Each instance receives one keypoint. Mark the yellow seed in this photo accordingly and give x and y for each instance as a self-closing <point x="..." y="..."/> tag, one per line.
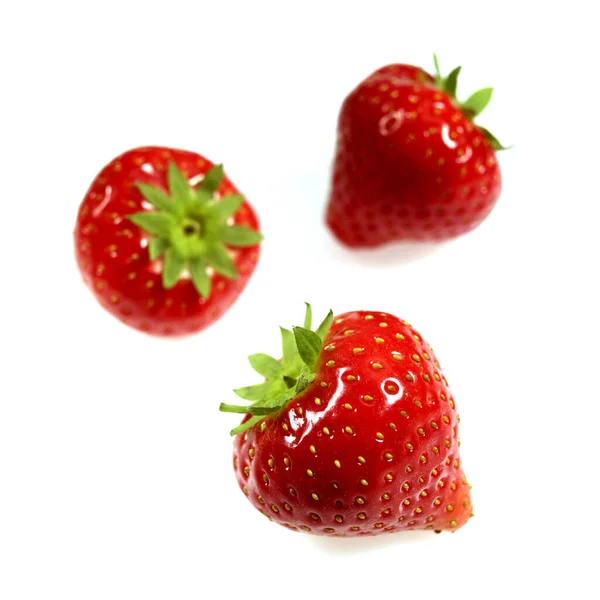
<point x="379" y="435"/>
<point x="330" y="363"/>
<point x="251" y="452"/>
<point x="312" y="449"/>
<point x="396" y="356"/>
<point x="271" y="462"/>
<point x="351" y="378"/>
<point x="348" y="331"/>
<point x="392" y="426"/>
<point x="364" y="482"/>
<point x="379" y="340"/>
<point x="437" y="501"/>
<point x="406" y="501"/>
<point x="389" y="477"/>
<point x="361" y="515"/>
<point x="403" y="413"/>
<point x="247" y="470"/>
<point x="384" y="325"/>
<point x="423" y="458"/>
<point x="310" y="472"/>
<point x="358" y="350"/>
<point x="287" y="506"/>
<point x="453" y="523"/>
<point x="337" y="463"/>
<point x="292" y="492"/>
<point x="367" y="398"/>
<point x="348" y="406"/>
<point x="405" y="486"/>
<point x="424" y="493"/>
<point x="409" y="446"/>
<point x="388" y="456"/>
<point x="361" y="460"/>
<point x="426" y="377"/>
<point x="421" y="431"/>
<point x="418" y="510"/>
<point x="286" y="461"/>
<point x="323" y="384"/>
<point x="369" y="317"/>
<point x="348" y="430"/>
<point x="339" y="518"/>
<point x="265" y="478"/>
<point x="392" y="388"/>
<point x="326" y="430"/>
<point x="318" y="401"/>
<point x="445" y="419"/>
<point x="330" y="348"/>
<point x="360" y="500"/>
<point x="315" y="496"/>
<point x="408" y="469"/>
<point x="376" y="366"/>
<point x="399" y="336"/>
<point x="418" y="403"/>
<point x="416" y="358"/>
<point x="285" y="427"/>
<point x="261" y="500"/>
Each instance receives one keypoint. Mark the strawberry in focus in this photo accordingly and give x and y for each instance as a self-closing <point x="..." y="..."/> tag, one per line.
<point x="354" y="431"/>
<point x="165" y="241"/>
<point x="410" y="163"/>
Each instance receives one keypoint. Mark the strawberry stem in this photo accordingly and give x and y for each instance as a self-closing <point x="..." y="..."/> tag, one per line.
<point x="286" y="378"/>
<point x="191" y="229"/>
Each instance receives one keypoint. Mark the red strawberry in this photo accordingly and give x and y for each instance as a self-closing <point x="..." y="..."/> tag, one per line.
<point x="410" y="163"/>
<point x="165" y="241"/>
<point x="354" y="431"/>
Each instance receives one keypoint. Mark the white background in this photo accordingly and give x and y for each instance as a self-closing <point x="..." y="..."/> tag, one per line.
<point x="115" y="464"/>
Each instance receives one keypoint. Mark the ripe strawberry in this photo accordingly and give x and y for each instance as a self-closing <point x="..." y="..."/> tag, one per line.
<point x="410" y="163"/>
<point x="354" y="431"/>
<point x="165" y="241"/>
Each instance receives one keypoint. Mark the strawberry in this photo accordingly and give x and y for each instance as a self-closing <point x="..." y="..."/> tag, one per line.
<point x="354" y="431"/>
<point x="410" y="163"/>
<point x="165" y="241"/>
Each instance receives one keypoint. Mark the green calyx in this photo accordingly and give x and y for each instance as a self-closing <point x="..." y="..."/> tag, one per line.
<point x="473" y="106"/>
<point x="285" y="378"/>
<point x="190" y="228"/>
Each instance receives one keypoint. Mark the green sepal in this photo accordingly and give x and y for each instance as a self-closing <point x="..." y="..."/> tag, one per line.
<point x="233" y="408"/>
<point x="200" y="277"/>
<point x="212" y="180"/>
<point x="191" y="227"/>
<point x="218" y="258"/>
<point x="173" y="267"/>
<point x="451" y="82"/>
<point x="253" y="392"/>
<point x="156" y="197"/>
<point x="156" y="223"/>
<point x="265" y="365"/>
<point x="287" y="378"/>
<point x="245" y="426"/>
<point x="493" y="140"/>
<point x="178" y="184"/>
<point x="308" y="316"/>
<point x="309" y="345"/>
<point x="156" y="247"/>
<point x="323" y="328"/>
<point x="239" y="236"/>
<point x="477" y="102"/>
<point x="225" y="208"/>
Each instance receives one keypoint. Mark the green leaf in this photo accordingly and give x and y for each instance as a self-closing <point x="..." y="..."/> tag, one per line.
<point x="254" y="392"/>
<point x="155" y="223"/>
<point x="156" y="247"/>
<point x="475" y="104"/>
<point x="451" y="82"/>
<point x="156" y="197"/>
<point x="218" y="258"/>
<point x="436" y="64"/>
<point x="308" y="316"/>
<point x="200" y="277"/>
<point x="240" y="236"/>
<point x="265" y="365"/>
<point x="269" y="405"/>
<point x="172" y="268"/>
<point x="225" y="207"/>
<point x="178" y="185"/>
<point x="304" y="381"/>
<point x="212" y="179"/>
<point x="292" y="363"/>
<point x="493" y="140"/>
<point x="256" y="409"/>
<point x="233" y="408"/>
<point x="309" y="345"/>
<point x="323" y="328"/>
<point x="247" y="425"/>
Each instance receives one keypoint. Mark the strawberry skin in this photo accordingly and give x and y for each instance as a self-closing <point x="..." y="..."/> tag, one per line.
<point x="370" y="446"/>
<point x="410" y="163"/>
<point x="121" y="261"/>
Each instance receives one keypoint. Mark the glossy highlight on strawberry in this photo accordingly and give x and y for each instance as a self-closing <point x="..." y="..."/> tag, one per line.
<point x="410" y="162"/>
<point x="165" y="241"/>
<point x="367" y="444"/>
